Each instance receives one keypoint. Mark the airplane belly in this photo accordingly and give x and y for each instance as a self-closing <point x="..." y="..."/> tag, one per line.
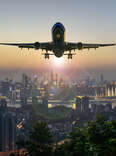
<point x="58" y="53"/>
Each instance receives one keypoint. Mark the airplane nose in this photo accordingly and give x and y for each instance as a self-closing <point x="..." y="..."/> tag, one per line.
<point x="58" y="24"/>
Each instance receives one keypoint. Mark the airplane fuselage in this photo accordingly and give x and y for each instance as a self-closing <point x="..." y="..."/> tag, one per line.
<point x="58" y="38"/>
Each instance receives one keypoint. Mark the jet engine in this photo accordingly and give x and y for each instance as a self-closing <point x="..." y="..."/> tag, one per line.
<point x="37" y="45"/>
<point x="79" y="46"/>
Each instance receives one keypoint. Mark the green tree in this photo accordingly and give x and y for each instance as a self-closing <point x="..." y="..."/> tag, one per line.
<point x="101" y="135"/>
<point x="40" y="141"/>
<point x="98" y="138"/>
<point x="62" y="149"/>
<point x="74" y="146"/>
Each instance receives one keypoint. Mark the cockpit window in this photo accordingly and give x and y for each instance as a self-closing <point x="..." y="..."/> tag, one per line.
<point x="58" y="25"/>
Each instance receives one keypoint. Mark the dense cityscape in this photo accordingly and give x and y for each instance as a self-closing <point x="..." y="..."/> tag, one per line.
<point x="57" y="78"/>
<point x="51" y="99"/>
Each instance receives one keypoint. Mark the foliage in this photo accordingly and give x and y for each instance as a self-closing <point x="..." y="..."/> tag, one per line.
<point x="97" y="138"/>
<point x="101" y="135"/>
<point x="40" y="140"/>
<point x="74" y="146"/>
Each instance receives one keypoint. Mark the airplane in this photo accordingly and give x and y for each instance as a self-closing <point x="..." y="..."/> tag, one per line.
<point x="58" y="46"/>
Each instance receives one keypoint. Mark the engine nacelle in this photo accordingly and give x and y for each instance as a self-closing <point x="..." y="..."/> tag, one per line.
<point x="37" y="45"/>
<point x="79" y="46"/>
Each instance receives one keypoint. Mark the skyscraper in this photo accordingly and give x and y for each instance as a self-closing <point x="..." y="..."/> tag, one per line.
<point x="5" y="86"/>
<point x="101" y="79"/>
<point x="7" y="129"/>
<point x="85" y="104"/>
<point x="78" y="104"/>
<point x="25" y="80"/>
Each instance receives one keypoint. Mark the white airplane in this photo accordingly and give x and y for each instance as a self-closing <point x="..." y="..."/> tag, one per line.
<point x="58" y="45"/>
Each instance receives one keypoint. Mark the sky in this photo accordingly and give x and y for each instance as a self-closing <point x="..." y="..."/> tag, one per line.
<point x="86" y="21"/>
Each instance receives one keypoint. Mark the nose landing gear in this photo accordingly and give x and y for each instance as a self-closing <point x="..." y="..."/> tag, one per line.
<point x="69" y="56"/>
<point x="46" y="56"/>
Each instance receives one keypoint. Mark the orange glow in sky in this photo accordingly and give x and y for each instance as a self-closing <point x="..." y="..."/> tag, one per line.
<point x="87" y="22"/>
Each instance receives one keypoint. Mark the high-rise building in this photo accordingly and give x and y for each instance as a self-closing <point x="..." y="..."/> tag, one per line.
<point x="78" y="104"/>
<point x="82" y="104"/>
<point x="7" y="129"/>
<point x="101" y="79"/>
<point x="4" y="87"/>
<point x="108" y="107"/>
<point x="24" y="80"/>
<point x="93" y="108"/>
<point x="3" y="103"/>
<point x="85" y="104"/>
<point x="25" y="90"/>
<point x="23" y="96"/>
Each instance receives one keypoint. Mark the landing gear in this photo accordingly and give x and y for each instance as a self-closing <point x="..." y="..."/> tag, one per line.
<point x="69" y="56"/>
<point x="46" y="56"/>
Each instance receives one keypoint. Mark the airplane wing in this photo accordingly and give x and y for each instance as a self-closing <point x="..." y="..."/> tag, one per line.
<point x="44" y="46"/>
<point x="87" y="46"/>
<point x="80" y="46"/>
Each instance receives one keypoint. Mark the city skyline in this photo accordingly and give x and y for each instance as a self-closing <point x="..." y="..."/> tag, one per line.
<point x="30" y="21"/>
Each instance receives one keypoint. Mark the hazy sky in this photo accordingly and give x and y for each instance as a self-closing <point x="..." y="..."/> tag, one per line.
<point x="85" y="20"/>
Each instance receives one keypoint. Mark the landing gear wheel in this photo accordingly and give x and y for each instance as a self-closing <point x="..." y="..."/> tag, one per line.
<point x="46" y="56"/>
<point x="69" y="56"/>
